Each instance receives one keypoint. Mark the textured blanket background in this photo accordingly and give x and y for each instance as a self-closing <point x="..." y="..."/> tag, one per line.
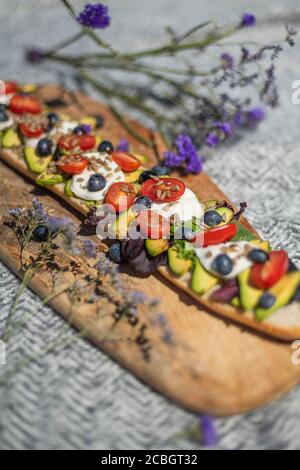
<point x="77" y="397"/>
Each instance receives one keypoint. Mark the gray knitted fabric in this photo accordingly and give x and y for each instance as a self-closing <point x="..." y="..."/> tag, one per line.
<point x="76" y="397"/>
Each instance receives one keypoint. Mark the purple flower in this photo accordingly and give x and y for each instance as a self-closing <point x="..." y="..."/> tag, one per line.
<point x="123" y="145"/>
<point x="208" y="431"/>
<point x="15" y="211"/>
<point x="106" y="267"/>
<point x="256" y="114"/>
<point x="34" y="56"/>
<point x="227" y="60"/>
<point x="239" y="119"/>
<point x="173" y="160"/>
<point x="224" y="127"/>
<point x="248" y="19"/>
<point x="87" y="128"/>
<point x="89" y="248"/>
<point x="38" y="211"/>
<point x="64" y="226"/>
<point x="212" y="139"/>
<point x="94" y="16"/>
<point x="186" y="156"/>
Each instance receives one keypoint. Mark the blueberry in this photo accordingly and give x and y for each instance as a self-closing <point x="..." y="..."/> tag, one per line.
<point x="115" y="252"/>
<point x="146" y="175"/>
<point x="3" y="116"/>
<point x="106" y="146"/>
<point x="52" y="119"/>
<point x="212" y="218"/>
<point x="292" y="267"/>
<point x="144" y="201"/>
<point x="44" y="147"/>
<point x="267" y="300"/>
<point x="222" y="264"/>
<point x="161" y="170"/>
<point x="96" y="182"/>
<point x="258" y="256"/>
<point x="184" y="233"/>
<point x="99" y="121"/>
<point x="296" y="297"/>
<point x="80" y="130"/>
<point x="3" y="107"/>
<point x="41" y="233"/>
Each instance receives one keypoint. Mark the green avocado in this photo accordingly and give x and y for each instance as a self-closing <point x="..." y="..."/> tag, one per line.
<point x="283" y="291"/>
<point x="119" y="227"/>
<point x="156" y="247"/>
<point x="68" y="190"/>
<point x="178" y="266"/>
<point x="226" y="213"/>
<point x="35" y="163"/>
<point x="249" y="296"/>
<point x="10" y="139"/>
<point x="202" y="280"/>
<point x="235" y="302"/>
<point x="49" y="179"/>
<point x="133" y="176"/>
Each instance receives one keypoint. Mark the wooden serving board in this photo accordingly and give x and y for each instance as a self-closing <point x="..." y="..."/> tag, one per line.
<point x="213" y="365"/>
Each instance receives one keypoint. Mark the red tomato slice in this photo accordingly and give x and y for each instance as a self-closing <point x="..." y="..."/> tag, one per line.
<point x="163" y="189"/>
<point x="10" y="87"/>
<point x="267" y="274"/>
<point x="73" y="164"/>
<point x="70" y="141"/>
<point x="121" y="196"/>
<point x="216" y="235"/>
<point x="30" y="130"/>
<point x="153" y="225"/>
<point x="125" y="161"/>
<point x="21" y="104"/>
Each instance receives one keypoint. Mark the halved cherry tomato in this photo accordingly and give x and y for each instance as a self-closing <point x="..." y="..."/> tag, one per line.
<point x="163" y="189"/>
<point x="217" y="235"/>
<point x="267" y="274"/>
<point x="21" y="104"/>
<point x="121" y="196"/>
<point x="10" y="87"/>
<point x="72" y="164"/>
<point x="70" y="141"/>
<point x="125" y="161"/>
<point x="153" y="225"/>
<point x="30" y="130"/>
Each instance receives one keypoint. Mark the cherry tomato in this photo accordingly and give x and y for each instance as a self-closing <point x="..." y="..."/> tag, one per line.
<point x="216" y="235"/>
<point x="163" y="189"/>
<point x="153" y="225"/>
<point x="70" y="141"/>
<point x="30" y="130"/>
<point x="126" y="161"/>
<point x="73" y="164"/>
<point x="121" y="196"/>
<point x="21" y="104"/>
<point x="10" y="87"/>
<point x="265" y="275"/>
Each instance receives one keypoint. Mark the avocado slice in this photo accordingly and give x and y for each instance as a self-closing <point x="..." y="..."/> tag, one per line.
<point x="156" y="247"/>
<point x="11" y="139"/>
<point x="202" y="280"/>
<point x="236" y="302"/>
<point x="119" y="227"/>
<point x="35" y="163"/>
<point x="262" y="244"/>
<point x="178" y="266"/>
<point x="68" y="190"/>
<point x="249" y="295"/>
<point x="133" y="176"/>
<point x="226" y="213"/>
<point x="49" y="179"/>
<point x="284" y="291"/>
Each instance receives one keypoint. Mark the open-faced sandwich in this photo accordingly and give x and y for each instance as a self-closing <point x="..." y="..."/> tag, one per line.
<point x="152" y="221"/>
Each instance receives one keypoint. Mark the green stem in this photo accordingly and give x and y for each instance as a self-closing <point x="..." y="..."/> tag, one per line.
<point x="66" y="43"/>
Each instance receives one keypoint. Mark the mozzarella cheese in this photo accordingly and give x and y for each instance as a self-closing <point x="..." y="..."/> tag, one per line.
<point x="186" y="207"/>
<point x="33" y="141"/>
<point x="5" y="99"/>
<point x="64" y="127"/>
<point x="6" y="124"/>
<point x="237" y="251"/>
<point x="105" y="167"/>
